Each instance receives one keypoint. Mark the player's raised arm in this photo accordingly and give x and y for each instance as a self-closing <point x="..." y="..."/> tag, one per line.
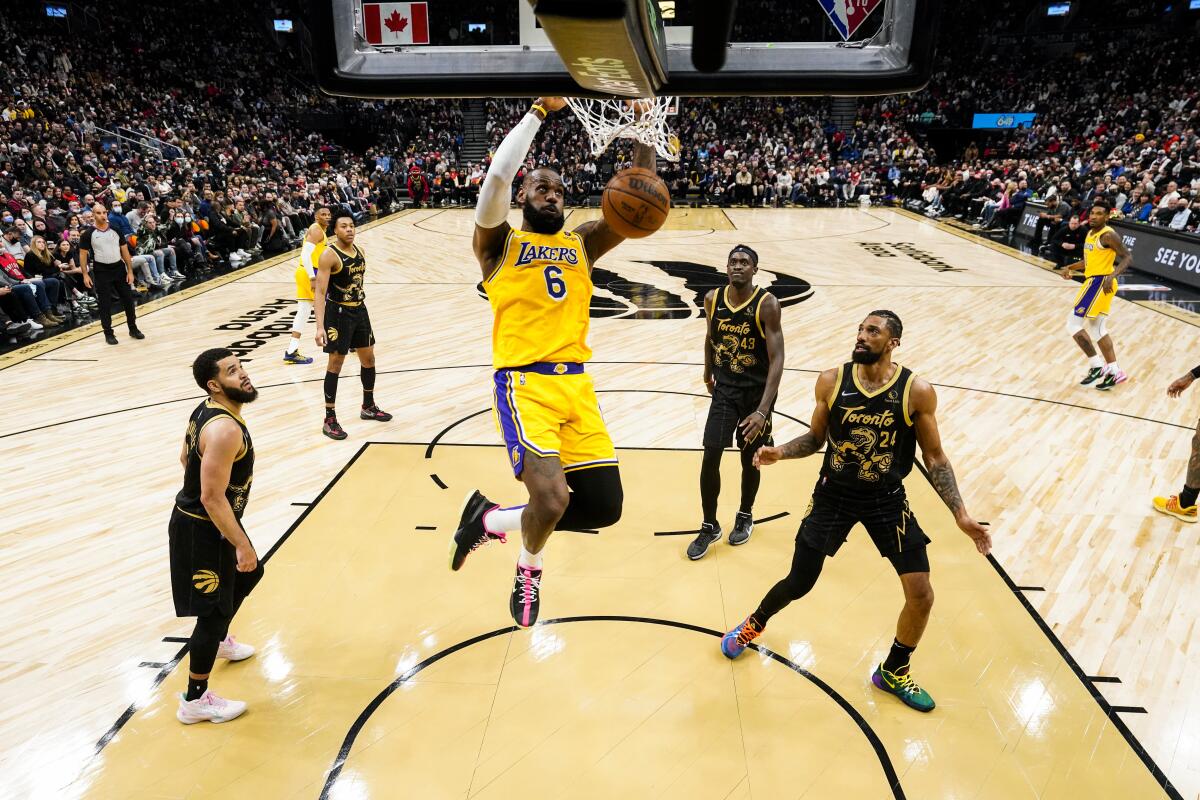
<point x="598" y="236"/>
<point x="495" y="195"/>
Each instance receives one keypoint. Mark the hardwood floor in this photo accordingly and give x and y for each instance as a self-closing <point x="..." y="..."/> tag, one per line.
<point x="356" y="596"/>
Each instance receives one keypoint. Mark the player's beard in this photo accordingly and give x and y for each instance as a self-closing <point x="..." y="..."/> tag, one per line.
<point x="544" y="221"/>
<point x="865" y="356"/>
<point x="239" y="395"/>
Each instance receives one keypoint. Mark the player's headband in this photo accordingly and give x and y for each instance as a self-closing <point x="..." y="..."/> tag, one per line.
<point x="748" y="251"/>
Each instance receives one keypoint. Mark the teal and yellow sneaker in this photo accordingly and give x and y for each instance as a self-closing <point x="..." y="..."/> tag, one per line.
<point x="904" y="687"/>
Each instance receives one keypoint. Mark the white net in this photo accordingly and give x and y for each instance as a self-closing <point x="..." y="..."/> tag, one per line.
<point x="606" y="120"/>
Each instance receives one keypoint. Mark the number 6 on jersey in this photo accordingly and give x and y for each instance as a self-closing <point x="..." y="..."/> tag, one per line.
<point x="555" y="286"/>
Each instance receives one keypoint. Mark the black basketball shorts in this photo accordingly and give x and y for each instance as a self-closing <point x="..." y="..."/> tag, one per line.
<point x="889" y="522"/>
<point x="347" y="328"/>
<point x="730" y="405"/>
<point x="204" y="574"/>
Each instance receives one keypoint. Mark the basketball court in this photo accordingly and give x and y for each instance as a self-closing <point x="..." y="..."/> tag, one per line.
<point x="1062" y="664"/>
<point x="381" y="673"/>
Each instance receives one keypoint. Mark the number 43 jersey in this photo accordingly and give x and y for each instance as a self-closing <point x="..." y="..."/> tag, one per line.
<point x="871" y="438"/>
<point x="541" y="295"/>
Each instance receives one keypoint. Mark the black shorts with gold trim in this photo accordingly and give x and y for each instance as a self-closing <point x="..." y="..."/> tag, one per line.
<point x="889" y="522"/>
<point x="204" y="576"/>
<point x="730" y="405"/>
<point x="347" y="327"/>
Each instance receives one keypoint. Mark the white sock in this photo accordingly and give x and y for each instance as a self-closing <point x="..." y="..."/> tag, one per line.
<point x="503" y="520"/>
<point x="528" y="559"/>
<point x="293" y="344"/>
<point x="1112" y="368"/>
<point x="1095" y="361"/>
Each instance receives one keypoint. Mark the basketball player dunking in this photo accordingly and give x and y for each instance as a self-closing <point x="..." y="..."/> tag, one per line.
<point x="306" y="283"/>
<point x="873" y="413"/>
<point x="538" y="281"/>
<point x="743" y="362"/>
<point x="1101" y="248"/>
<point x="213" y="564"/>
<point x="342" y="321"/>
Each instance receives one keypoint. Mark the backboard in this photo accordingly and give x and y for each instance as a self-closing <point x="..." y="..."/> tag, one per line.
<point x="498" y="48"/>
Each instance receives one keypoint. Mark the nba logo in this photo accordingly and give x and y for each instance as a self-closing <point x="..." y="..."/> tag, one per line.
<point x="848" y="15"/>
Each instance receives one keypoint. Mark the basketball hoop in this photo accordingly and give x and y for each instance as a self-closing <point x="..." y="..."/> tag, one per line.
<point x="607" y="120"/>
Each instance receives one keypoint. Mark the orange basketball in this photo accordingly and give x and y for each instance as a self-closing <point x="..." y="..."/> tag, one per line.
<point x="635" y="203"/>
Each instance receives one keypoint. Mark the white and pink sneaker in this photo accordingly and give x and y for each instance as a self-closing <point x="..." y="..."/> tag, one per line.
<point x="208" y="707"/>
<point x="234" y="650"/>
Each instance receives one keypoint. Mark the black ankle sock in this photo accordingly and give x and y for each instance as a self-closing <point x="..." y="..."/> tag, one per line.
<point x="898" y="658"/>
<point x="196" y="687"/>
<point x="330" y="415"/>
<point x="1187" y="498"/>
<point x="759" y="618"/>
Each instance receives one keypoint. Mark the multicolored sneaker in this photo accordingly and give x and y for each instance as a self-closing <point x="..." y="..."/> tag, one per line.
<point x="525" y="600"/>
<point x="1092" y="376"/>
<point x="734" y="642"/>
<point x="472" y="534"/>
<point x="904" y="687"/>
<point x="333" y="430"/>
<point x="208" y="707"/>
<point x="233" y="650"/>
<point x="743" y="526"/>
<point x="710" y="533"/>
<point x="1170" y="505"/>
<point x="1111" y="379"/>
<point x="296" y="358"/>
<point x="374" y="412"/>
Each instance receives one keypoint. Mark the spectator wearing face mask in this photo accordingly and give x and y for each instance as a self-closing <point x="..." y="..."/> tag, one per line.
<point x="151" y="242"/>
<point x="118" y="221"/>
<point x="12" y="243"/>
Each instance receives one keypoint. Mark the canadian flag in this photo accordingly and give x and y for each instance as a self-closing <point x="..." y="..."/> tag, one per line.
<point x="396" y="23"/>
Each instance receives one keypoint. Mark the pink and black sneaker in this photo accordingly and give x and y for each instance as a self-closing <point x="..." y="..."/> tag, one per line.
<point x="472" y="534"/>
<point x="526" y="596"/>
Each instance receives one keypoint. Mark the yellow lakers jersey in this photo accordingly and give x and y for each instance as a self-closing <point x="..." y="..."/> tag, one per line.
<point x="541" y="294"/>
<point x="311" y="268"/>
<point x="1097" y="259"/>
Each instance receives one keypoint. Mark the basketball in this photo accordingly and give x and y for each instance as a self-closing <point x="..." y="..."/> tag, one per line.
<point x="635" y="203"/>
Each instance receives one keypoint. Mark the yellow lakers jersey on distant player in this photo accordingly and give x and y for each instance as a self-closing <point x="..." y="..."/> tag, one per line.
<point x="311" y="268"/>
<point x="541" y="294"/>
<point x="1098" y="259"/>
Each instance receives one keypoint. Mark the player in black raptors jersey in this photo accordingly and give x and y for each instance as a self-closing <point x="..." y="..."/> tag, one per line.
<point x="873" y="414"/>
<point x="743" y="362"/>
<point x="213" y="564"/>
<point x="342" y="320"/>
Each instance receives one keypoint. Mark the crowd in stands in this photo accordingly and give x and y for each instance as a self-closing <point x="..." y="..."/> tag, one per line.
<point x="209" y="165"/>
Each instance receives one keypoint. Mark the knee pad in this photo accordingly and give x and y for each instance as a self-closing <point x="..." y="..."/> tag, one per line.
<point x="1074" y="324"/>
<point x="1096" y="327"/>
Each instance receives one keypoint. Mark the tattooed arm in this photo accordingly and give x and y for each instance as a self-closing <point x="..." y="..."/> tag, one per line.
<point x="812" y="439"/>
<point x="922" y="408"/>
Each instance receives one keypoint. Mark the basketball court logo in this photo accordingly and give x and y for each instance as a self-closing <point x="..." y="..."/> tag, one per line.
<point x="622" y="295"/>
<point x="848" y="15"/>
<point x="206" y="581"/>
